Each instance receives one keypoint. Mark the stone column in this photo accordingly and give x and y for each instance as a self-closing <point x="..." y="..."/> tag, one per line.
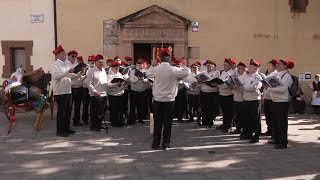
<point x="110" y="38"/>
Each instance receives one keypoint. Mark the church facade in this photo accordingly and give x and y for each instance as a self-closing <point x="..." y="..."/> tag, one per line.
<point x="197" y="30"/>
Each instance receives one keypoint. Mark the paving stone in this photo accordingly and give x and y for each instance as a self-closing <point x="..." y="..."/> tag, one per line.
<point x="125" y="153"/>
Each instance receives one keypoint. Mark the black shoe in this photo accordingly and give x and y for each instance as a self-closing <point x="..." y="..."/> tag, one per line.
<point x="117" y="125"/>
<point x="237" y="131"/>
<point x="62" y="134"/>
<point x="272" y="138"/>
<point x="165" y="147"/>
<point x="280" y="146"/>
<point x="141" y="121"/>
<point x="190" y="120"/>
<point x="77" y="124"/>
<point x="102" y="128"/>
<point x="199" y="121"/>
<point x="180" y="121"/>
<point x="225" y="130"/>
<point x="244" y="137"/>
<point x="95" y="129"/>
<point x="272" y="142"/>
<point x="70" y="131"/>
<point x="203" y="124"/>
<point x="131" y="122"/>
<point x="220" y="127"/>
<point x="254" y="140"/>
<point x="267" y="133"/>
<point x="155" y="147"/>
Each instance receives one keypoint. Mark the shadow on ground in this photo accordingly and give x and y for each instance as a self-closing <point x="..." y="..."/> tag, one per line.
<point x="125" y="153"/>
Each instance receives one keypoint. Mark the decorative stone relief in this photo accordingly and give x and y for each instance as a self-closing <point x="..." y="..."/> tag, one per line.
<point x="261" y="36"/>
<point x="153" y="34"/>
<point x="110" y="32"/>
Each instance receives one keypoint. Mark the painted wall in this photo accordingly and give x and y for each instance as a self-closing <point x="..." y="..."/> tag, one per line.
<point x="15" y="18"/>
<point x="228" y="28"/>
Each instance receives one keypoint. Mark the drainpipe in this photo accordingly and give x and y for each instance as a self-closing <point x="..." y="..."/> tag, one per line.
<point x="55" y="23"/>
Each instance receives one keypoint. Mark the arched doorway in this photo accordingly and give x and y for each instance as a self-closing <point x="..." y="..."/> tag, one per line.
<point x="145" y="32"/>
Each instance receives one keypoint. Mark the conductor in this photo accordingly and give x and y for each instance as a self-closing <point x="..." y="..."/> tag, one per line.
<point x="165" y="89"/>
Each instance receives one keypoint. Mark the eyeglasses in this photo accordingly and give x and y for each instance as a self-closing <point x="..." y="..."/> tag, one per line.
<point x="193" y="67"/>
<point x="74" y="56"/>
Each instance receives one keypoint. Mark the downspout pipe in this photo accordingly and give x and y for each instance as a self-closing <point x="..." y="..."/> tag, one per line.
<point x="55" y="23"/>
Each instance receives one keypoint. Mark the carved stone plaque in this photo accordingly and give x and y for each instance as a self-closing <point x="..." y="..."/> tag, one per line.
<point x="111" y="32"/>
<point x="153" y="33"/>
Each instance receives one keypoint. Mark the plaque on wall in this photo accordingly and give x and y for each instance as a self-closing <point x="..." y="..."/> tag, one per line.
<point x="111" y="32"/>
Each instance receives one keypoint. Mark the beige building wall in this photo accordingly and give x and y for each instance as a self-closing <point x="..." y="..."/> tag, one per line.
<point x="15" y="18"/>
<point x="242" y="30"/>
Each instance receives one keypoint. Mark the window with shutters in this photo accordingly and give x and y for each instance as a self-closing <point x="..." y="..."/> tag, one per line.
<point x="16" y="53"/>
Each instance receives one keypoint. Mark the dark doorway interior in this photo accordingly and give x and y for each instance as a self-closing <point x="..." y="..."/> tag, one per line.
<point x="145" y="50"/>
<point x="142" y="50"/>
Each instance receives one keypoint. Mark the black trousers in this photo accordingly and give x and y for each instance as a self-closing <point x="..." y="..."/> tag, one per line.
<point x="137" y="102"/>
<point x="162" y="114"/>
<point x="125" y="98"/>
<point x="237" y="114"/>
<point x="298" y="106"/>
<point x="148" y="105"/>
<point x="76" y="99"/>
<point x="116" y="110"/>
<point x="267" y="112"/>
<point x="209" y="107"/>
<point x="185" y="102"/>
<point x="97" y="104"/>
<point x="193" y="104"/>
<point x="64" y="112"/>
<point x="252" y="120"/>
<point x="279" y="115"/>
<point x="180" y="103"/>
<point x="85" y="104"/>
<point x="226" y="103"/>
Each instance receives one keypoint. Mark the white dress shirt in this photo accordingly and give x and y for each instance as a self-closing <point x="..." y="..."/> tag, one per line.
<point x="61" y="78"/>
<point x="113" y="88"/>
<point x="148" y="84"/>
<point x="166" y="78"/>
<point x="281" y="94"/>
<point x="266" y="92"/>
<point x="224" y="90"/>
<point x="136" y="84"/>
<point x="96" y="81"/>
<point x="192" y="79"/>
<point x="251" y="86"/>
<point x="212" y="74"/>
<point x="76" y="79"/>
<point x="237" y="92"/>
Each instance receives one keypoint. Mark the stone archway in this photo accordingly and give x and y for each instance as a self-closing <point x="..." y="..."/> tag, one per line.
<point x="150" y="25"/>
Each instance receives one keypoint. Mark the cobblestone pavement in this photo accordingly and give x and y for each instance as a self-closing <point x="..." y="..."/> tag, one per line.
<point x="125" y="153"/>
